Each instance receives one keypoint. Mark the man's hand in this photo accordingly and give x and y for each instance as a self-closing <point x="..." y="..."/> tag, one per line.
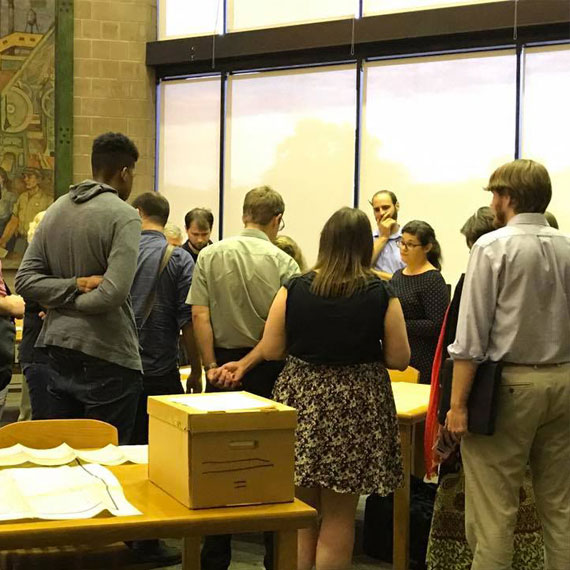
<point x="15" y="305"/>
<point x="87" y="284"/>
<point x="194" y="382"/>
<point x="456" y="422"/>
<point x="386" y="226"/>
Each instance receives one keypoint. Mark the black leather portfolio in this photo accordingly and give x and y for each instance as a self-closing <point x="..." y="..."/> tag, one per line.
<point x="482" y="403"/>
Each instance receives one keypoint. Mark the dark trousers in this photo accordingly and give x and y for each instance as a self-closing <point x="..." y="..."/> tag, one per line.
<point x="83" y="386"/>
<point x="217" y="550"/>
<point x="37" y="375"/>
<point x="153" y="386"/>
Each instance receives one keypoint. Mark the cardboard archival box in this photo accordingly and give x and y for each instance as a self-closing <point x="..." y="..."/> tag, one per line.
<point x="222" y="449"/>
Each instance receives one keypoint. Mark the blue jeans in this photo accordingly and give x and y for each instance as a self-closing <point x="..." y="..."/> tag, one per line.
<point x="37" y="375"/>
<point x="83" y="386"/>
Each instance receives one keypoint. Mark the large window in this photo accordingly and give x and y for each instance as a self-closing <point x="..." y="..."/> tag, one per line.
<point x="546" y="121"/>
<point x="183" y="18"/>
<point x="251" y="14"/>
<point x="372" y="7"/>
<point x="295" y="132"/>
<point x="188" y="156"/>
<point x="433" y="131"/>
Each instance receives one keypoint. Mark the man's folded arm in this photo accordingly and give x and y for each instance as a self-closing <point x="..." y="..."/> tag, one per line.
<point x="118" y="278"/>
<point x="34" y="282"/>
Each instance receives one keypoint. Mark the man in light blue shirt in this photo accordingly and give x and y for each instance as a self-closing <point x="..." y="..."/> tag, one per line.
<point x="515" y="308"/>
<point x="386" y="258"/>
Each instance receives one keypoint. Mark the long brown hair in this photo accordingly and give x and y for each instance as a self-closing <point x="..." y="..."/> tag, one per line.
<point x="345" y="251"/>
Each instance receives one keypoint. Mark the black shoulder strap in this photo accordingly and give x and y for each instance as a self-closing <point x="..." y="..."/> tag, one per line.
<point x="149" y="304"/>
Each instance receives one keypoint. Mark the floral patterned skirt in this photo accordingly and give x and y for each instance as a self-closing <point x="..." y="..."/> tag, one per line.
<point x="347" y="436"/>
<point x="448" y="548"/>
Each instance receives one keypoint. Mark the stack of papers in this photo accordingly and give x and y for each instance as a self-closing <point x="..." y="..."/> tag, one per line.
<point x="61" y="493"/>
<point x="63" y="454"/>
<point x="221" y="402"/>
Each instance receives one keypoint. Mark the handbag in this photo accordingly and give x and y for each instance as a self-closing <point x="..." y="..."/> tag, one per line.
<point x="482" y="402"/>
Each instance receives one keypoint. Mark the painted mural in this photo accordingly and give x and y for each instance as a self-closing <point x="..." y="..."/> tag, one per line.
<point x="27" y="72"/>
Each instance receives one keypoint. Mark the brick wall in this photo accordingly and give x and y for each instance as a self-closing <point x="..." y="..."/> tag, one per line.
<point x="113" y="89"/>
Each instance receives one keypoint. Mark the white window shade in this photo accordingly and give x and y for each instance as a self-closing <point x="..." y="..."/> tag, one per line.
<point x="189" y="142"/>
<point x="253" y="14"/>
<point x="546" y="121"/>
<point x="293" y="131"/>
<point x="375" y="7"/>
<point x="433" y="131"/>
<point x="184" y="18"/>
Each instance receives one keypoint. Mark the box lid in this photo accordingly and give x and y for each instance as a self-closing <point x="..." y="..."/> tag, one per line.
<point x="221" y="411"/>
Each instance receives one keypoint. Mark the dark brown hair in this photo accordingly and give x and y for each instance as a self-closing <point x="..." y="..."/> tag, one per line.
<point x="426" y="235"/>
<point x="345" y="251"/>
<point x="202" y="216"/>
<point x="480" y="223"/>
<point x="153" y="206"/>
<point x="526" y="182"/>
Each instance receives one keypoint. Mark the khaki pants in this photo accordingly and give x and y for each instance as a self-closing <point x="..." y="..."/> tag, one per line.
<point x="533" y="426"/>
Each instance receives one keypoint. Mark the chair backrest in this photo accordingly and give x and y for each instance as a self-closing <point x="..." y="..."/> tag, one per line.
<point x="410" y="375"/>
<point x="43" y="434"/>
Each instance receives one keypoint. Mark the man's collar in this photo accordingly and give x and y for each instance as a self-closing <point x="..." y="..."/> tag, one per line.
<point x="528" y="218"/>
<point x="396" y="235"/>
<point x="153" y="232"/>
<point x="253" y="232"/>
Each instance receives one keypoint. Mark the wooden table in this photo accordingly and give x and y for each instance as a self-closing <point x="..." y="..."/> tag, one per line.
<point x="165" y="517"/>
<point x="411" y="406"/>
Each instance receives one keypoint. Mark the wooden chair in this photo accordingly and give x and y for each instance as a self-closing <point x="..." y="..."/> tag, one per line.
<point x="43" y="434"/>
<point x="79" y="434"/>
<point x="410" y="375"/>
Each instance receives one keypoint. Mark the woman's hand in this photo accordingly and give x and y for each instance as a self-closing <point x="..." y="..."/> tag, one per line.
<point x="228" y="376"/>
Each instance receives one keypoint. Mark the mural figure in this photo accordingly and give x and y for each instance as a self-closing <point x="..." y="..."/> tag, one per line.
<point x="27" y="72"/>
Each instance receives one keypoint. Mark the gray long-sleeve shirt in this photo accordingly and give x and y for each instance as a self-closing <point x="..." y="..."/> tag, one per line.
<point x="515" y="304"/>
<point x="89" y="231"/>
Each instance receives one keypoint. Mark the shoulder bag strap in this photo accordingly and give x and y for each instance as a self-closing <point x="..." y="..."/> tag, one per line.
<point x="149" y="304"/>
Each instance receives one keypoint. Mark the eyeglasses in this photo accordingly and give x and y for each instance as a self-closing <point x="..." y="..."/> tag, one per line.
<point x="407" y="244"/>
<point x="281" y="224"/>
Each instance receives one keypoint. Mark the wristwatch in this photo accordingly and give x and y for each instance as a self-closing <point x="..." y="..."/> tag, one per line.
<point x="210" y="366"/>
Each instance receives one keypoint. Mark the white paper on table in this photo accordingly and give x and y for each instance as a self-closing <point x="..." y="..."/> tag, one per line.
<point x="55" y="493"/>
<point x="221" y="402"/>
<point x="59" y="455"/>
<point x="14" y="455"/>
<point x="135" y="453"/>
<point x="113" y="455"/>
<point x="63" y="454"/>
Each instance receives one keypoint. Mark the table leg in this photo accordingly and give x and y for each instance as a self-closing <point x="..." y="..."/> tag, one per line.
<point x="401" y="547"/>
<point x="191" y="553"/>
<point x="285" y="550"/>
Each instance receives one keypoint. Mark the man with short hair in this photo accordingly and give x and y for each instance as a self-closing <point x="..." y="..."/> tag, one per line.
<point x="198" y="223"/>
<point x="515" y="308"/>
<point x="234" y="283"/>
<point x="386" y="258"/>
<point x="159" y="292"/>
<point x="80" y="266"/>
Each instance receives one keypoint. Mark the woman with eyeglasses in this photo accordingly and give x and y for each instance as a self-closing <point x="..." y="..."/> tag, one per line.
<point x="422" y="292"/>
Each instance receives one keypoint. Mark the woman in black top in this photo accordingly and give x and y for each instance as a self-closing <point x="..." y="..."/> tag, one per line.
<point x="422" y="292"/>
<point x="341" y="327"/>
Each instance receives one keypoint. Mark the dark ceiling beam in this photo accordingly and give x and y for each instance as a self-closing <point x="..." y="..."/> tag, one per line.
<point x="458" y="28"/>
